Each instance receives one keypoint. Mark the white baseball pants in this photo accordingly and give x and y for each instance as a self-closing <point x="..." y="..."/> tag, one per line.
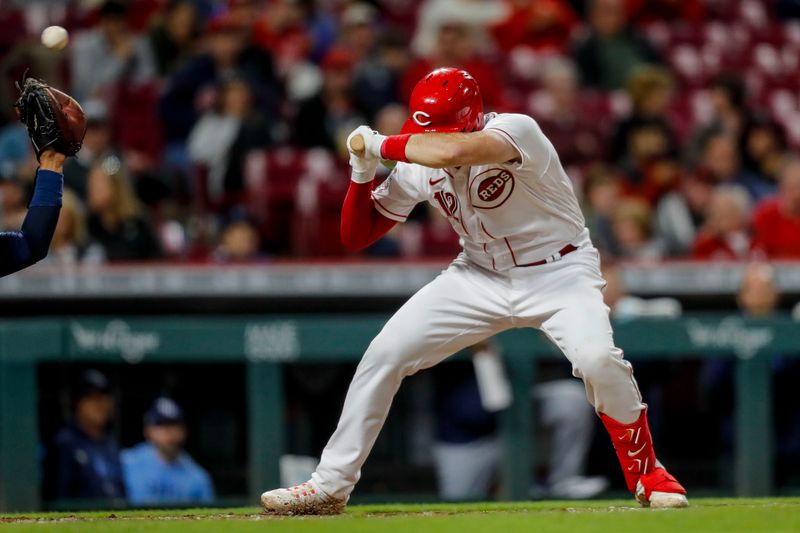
<point x="467" y="304"/>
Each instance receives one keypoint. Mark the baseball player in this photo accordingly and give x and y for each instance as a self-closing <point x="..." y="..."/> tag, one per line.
<point x="527" y="262"/>
<point x="56" y="125"/>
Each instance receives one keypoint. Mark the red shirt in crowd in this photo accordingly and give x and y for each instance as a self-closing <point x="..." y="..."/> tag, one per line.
<point x="711" y="247"/>
<point x="776" y="233"/>
<point x="537" y="24"/>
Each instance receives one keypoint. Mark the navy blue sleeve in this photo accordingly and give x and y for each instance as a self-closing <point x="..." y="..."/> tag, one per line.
<point x="20" y="249"/>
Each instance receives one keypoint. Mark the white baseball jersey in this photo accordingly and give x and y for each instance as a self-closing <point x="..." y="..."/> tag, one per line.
<point x="507" y="215"/>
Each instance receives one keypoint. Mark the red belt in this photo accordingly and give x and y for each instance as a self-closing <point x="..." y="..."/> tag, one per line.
<point x="568" y="249"/>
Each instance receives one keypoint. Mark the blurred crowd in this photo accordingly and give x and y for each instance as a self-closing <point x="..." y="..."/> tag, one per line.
<point x="216" y="128"/>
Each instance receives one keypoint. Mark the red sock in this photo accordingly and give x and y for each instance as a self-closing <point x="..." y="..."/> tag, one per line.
<point x="634" y="447"/>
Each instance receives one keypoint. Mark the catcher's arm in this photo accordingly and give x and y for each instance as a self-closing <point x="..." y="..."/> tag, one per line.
<point x="21" y="249"/>
<point x="56" y="125"/>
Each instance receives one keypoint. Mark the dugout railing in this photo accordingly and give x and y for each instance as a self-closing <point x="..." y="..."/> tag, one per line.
<point x="265" y="343"/>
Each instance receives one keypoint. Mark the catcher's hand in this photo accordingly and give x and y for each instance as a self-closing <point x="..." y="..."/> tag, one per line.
<point x="54" y="119"/>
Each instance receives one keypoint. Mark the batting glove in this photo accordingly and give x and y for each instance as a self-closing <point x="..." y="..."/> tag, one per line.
<point x="365" y="165"/>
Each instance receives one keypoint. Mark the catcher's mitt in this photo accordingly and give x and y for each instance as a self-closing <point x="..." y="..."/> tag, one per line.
<point x="54" y="119"/>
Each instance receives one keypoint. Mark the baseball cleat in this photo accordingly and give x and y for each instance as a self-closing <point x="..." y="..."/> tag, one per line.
<point x="659" y="489"/>
<point x="303" y="499"/>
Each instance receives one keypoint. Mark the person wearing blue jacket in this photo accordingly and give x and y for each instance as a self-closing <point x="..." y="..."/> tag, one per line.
<point x="83" y="461"/>
<point x="158" y="471"/>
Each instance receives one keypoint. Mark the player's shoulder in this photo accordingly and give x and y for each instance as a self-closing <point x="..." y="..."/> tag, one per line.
<point x="137" y="454"/>
<point x="527" y="137"/>
<point x="518" y="120"/>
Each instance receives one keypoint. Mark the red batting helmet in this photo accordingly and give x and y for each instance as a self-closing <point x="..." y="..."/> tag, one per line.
<point x="446" y="100"/>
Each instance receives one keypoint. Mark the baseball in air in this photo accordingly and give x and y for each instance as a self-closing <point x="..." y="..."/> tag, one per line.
<point x="55" y="37"/>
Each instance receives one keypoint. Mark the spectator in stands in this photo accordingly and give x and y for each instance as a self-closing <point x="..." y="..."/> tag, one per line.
<point x="726" y="232"/>
<point x="457" y="43"/>
<point x="579" y="138"/>
<point x="83" y="462"/>
<point x="681" y="212"/>
<point x="111" y="54"/>
<point x="646" y="133"/>
<point x="292" y="30"/>
<point x="240" y="241"/>
<point x="763" y="148"/>
<point x="730" y="113"/>
<point x="776" y="221"/>
<point x="173" y="38"/>
<point x="474" y="17"/>
<point x="359" y="30"/>
<point x="97" y="145"/>
<point x="116" y="220"/>
<point x="326" y="119"/>
<point x="15" y="148"/>
<point x="612" y="49"/>
<point x="159" y="471"/>
<point x="722" y="161"/>
<point x="298" y="35"/>
<point x="758" y="295"/>
<point x="12" y="201"/>
<point x="540" y="25"/>
<point x="643" y="12"/>
<point x="602" y="193"/>
<point x="190" y="89"/>
<point x="71" y="244"/>
<point x="224" y="136"/>
<point x="376" y="82"/>
<point x="759" y="299"/>
<point x="633" y="231"/>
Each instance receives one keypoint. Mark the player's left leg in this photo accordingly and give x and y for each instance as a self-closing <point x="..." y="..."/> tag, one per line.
<point x="462" y="306"/>
<point x="567" y="299"/>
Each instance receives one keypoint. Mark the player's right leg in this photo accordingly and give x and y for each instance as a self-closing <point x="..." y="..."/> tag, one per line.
<point x="462" y="306"/>
<point x="567" y="296"/>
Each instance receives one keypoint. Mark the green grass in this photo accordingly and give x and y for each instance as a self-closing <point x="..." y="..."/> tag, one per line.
<point x="775" y="515"/>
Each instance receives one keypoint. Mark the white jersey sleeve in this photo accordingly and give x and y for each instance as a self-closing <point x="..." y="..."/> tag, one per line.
<point x="396" y="197"/>
<point x="525" y="135"/>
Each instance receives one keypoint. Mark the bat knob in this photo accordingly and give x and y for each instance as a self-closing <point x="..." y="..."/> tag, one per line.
<point x="357" y="145"/>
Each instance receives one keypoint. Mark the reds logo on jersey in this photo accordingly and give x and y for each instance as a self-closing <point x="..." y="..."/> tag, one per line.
<point x="491" y="188"/>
